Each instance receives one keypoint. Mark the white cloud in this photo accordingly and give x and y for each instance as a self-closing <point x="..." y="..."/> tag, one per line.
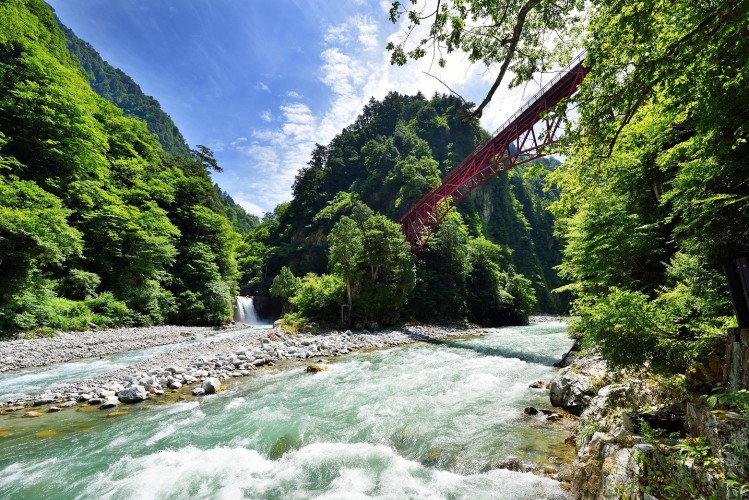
<point x="262" y="86"/>
<point x="293" y="94"/>
<point x="266" y="116"/>
<point x="244" y="200"/>
<point x="356" y="67"/>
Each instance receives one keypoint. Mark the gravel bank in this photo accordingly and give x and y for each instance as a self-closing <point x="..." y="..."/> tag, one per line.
<point x="69" y="346"/>
<point x="204" y="366"/>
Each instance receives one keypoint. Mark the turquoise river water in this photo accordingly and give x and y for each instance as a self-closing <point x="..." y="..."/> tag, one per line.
<point x="424" y="421"/>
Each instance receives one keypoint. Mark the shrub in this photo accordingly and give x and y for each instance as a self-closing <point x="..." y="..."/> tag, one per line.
<point x="109" y="310"/>
<point x="79" y="284"/>
<point x="319" y="298"/>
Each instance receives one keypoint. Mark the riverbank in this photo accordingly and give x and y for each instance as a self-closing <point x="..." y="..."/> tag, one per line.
<point x="203" y="366"/>
<point x="640" y="436"/>
<point x="70" y="346"/>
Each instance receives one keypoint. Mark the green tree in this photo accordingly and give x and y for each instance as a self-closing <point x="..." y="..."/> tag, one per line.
<point x="285" y="286"/>
<point x="346" y="249"/>
<point x="387" y="270"/>
<point x="319" y="297"/>
<point x="34" y="233"/>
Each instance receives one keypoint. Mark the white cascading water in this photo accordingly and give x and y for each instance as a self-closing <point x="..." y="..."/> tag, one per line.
<point x="245" y="311"/>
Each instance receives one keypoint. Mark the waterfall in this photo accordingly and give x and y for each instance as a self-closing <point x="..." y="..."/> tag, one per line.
<point x="245" y="311"/>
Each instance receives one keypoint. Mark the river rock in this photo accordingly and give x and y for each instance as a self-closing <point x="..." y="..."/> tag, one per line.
<point x="43" y="400"/>
<point x="134" y="394"/>
<point x="211" y="385"/>
<point x="110" y="402"/>
<point x="198" y="391"/>
<point x="570" y="390"/>
<point x="316" y="368"/>
<point x="529" y="410"/>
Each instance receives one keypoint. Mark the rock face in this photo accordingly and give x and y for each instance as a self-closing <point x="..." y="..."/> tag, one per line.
<point x="607" y="465"/>
<point x="613" y="458"/>
<point x="727" y="434"/>
<point x="133" y="394"/>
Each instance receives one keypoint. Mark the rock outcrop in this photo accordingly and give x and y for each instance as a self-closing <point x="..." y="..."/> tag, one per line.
<point x="617" y="457"/>
<point x="574" y="386"/>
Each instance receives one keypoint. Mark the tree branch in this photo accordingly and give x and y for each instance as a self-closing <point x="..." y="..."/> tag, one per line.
<point x="516" y="32"/>
<point x="448" y="87"/>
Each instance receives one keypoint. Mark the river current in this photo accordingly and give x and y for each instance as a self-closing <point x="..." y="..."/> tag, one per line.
<point x="423" y="421"/>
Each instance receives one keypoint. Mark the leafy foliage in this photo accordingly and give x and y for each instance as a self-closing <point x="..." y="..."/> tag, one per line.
<point x="652" y="198"/>
<point x="98" y="225"/>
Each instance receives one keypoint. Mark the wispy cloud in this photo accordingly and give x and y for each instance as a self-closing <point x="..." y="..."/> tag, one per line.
<point x="262" y="86"/>
<point x="354" y="68"/>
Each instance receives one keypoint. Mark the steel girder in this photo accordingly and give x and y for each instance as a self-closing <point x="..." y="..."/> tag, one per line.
<point x="524" y="137"/>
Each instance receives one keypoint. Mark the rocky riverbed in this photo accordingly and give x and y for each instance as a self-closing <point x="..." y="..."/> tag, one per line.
<point x="69" y="346"/>
<point x="202" y="367"/>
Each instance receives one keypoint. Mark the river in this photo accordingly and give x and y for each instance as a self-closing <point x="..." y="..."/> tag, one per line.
<point x="419" y="421"/>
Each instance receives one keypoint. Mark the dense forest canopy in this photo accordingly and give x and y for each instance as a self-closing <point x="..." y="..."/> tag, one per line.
<point x="653" y="199"/>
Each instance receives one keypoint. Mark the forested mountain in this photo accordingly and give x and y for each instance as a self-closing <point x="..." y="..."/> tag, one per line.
<point x="653" y="204"/>
<point x="484" y="262"/>
<point x="122" y="91"/>
<point x="97" y="223"/>
<point x="101" y="224"/>
<point x="118" y="88"/>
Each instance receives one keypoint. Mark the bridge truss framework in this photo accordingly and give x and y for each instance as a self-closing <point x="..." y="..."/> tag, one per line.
<point x="522" y="138"/>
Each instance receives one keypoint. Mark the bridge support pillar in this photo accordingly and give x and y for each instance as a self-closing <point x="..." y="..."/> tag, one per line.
<point x="345" y="316"/>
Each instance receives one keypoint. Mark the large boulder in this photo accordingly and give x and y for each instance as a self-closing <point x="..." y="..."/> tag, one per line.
<point x="211" y="385"/>
<point x="571" y="391"/>
<point x="110" y="402"/>
<point x="604" y="469"/>
<point x="133" y="394"/>
<point x="573" y="387"/>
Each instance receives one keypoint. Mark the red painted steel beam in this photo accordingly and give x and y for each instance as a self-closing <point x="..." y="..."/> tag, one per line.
<point x="516" y="142"/>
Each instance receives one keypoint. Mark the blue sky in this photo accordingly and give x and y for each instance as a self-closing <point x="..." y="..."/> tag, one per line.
<point x="261" y="81"/>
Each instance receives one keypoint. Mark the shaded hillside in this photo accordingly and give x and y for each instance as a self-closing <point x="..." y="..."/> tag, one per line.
<point x="121" y="90"/>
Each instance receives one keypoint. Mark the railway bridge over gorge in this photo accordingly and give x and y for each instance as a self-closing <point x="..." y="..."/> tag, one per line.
<point x="522" y="138"/>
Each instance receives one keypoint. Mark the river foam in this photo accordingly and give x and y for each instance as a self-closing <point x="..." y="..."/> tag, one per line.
<point x="319" y="470"/>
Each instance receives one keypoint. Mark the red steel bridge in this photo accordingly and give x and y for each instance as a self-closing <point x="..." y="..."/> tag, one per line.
<point x="520" y="139"/>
